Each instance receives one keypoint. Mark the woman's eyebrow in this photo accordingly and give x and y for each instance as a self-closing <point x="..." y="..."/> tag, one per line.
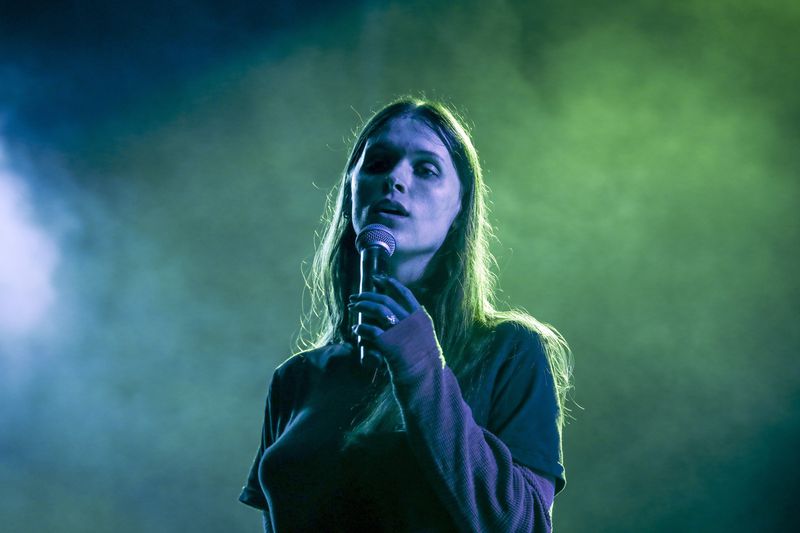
<point x="381" y="147"/>
<point x="428" y="153"/>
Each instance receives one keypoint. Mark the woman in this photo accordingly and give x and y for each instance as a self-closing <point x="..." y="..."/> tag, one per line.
<point x="459" y="427"/>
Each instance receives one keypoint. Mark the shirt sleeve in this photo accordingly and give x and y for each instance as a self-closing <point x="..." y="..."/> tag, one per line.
<point x="524" y="409"/>
<point x="471" y="469"/>
<point x="252" y="494"/>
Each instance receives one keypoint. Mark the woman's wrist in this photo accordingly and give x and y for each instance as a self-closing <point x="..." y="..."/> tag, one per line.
<point x="411" y="346"/>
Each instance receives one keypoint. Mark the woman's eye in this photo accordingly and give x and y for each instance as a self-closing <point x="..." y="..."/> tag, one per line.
<point x="428" y="170"/>
<point x="374" y="166"/>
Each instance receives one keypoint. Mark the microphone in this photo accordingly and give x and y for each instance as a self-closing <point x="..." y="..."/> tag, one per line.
<point x="376" y="244"/>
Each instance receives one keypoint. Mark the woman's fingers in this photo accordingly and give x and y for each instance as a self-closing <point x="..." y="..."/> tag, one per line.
<point x="377" y="313"/>
<point x="385" y="304"/>
<point x="395" y="296"/>
<point x="382" y="311"/>
<point x="367" y="331"/>
<point x="400" y="292"/>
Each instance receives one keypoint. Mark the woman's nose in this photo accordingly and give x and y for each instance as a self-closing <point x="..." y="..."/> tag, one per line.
<point x="396" y="179"/>
<point x="392" y="183"/>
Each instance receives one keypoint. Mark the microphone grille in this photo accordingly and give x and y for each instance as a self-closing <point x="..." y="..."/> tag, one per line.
<point x="376" y="235"/>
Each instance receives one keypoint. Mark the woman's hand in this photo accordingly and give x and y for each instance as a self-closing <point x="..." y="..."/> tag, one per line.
<point x="395" y="327"/>
<point x="380" y="312"/>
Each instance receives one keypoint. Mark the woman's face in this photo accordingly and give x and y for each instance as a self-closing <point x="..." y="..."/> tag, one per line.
<point x="406" y="162"/>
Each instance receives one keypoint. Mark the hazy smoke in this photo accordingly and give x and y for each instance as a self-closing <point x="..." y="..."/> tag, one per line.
<point x="642" y="160"/>
<point x="28" y="259"/>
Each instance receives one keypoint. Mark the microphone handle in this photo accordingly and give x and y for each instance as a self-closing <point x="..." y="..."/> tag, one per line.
<point x="374" y="260"/>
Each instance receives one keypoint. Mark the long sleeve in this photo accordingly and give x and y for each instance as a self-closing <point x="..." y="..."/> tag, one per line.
<point x="470" y="468"/>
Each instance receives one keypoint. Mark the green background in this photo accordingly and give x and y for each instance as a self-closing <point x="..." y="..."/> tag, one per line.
<point x="643" y="165"/>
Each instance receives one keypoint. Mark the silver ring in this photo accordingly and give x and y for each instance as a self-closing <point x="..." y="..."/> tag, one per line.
<point x="392" y="320"/>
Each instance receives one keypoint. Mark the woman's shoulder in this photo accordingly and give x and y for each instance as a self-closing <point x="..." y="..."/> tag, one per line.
<point x="522" y="341"/>
<point x="313" y="358"/>
<point x="518" y="333"/>
<point x="535" y="348"/>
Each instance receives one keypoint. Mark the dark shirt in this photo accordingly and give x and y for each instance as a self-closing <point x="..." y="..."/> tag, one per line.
<point x="486" y="463"/>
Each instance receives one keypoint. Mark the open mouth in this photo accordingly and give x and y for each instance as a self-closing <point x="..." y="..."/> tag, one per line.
<point x="389" y="208"/>
<point x="390" y="212"/>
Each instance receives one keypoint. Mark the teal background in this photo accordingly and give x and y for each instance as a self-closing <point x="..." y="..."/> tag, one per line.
<point x="165" y="168"/>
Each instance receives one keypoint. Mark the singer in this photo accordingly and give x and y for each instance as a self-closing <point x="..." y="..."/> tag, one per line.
<point x="452" y="421"/>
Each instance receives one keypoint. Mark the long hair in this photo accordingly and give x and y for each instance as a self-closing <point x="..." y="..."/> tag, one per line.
<point x="462" y="304"/>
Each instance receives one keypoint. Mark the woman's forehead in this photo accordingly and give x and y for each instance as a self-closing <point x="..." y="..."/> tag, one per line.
<point x="410" y="134"/>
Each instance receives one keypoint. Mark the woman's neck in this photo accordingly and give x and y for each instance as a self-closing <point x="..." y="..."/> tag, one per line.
<point x="409" y="270"/>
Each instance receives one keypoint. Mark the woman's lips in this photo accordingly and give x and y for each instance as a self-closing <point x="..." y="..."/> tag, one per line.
<point x="387" y="211"/>
<point x="386" y="216"/>
<point x="390" y="206"/>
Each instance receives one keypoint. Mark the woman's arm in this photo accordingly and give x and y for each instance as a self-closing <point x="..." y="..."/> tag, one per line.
<point x="470" y="468"/>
